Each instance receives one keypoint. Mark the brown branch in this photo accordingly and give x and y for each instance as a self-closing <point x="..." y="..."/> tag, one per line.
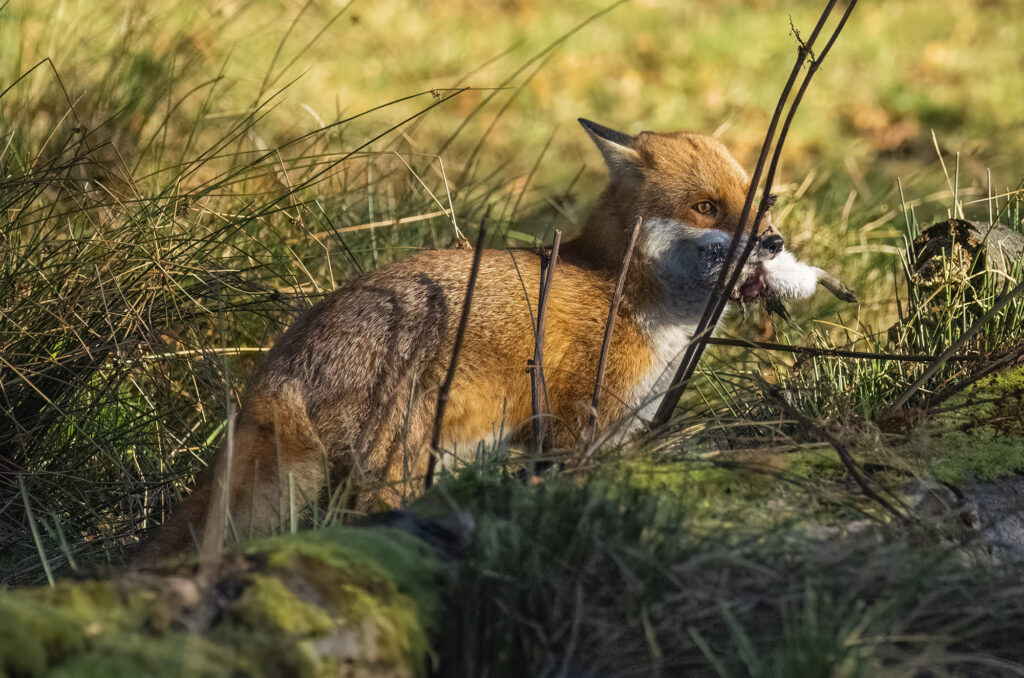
<point x="446" y="385"/>
<point x="1006" y="359"/>
<point x="840" y="447"/>
<point x="729" y="275"/>
<point x="536" y="364"/>
<point x="589" y="436"/>
<point x="841" y="353"/>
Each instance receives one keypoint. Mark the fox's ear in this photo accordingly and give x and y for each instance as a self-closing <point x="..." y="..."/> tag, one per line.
<point x="618" y="149"/>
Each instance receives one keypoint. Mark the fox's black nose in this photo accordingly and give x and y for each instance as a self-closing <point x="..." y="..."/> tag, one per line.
<point x="772" y="244"/>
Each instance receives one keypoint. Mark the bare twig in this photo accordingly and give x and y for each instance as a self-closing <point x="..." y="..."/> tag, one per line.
<point x="590" y="432"/>
<point x="845" y="457"/>
<point x="446" y="385"/>
<point x="731" y="270"/>
<point x="961" y="341"/>
<point x="536" y="364"/>
<point x="842" y="353"/>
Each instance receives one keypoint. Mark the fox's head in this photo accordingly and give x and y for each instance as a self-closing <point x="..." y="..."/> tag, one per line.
<point x="690" y="192"/>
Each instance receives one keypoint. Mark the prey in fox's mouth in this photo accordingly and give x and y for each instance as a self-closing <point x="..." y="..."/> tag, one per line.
<point x="752" y="286"/>
<point x="784" y="277"/>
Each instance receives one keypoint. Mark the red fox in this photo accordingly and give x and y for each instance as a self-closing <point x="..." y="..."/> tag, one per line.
<point x="350" y="390"/>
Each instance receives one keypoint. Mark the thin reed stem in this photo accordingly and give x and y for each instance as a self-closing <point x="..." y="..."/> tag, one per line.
<point x="34" y="528"/>
<point x="536" y="364"/>
<point x="446" y="386"/>
<point x="842" y="353"/>
<point x="589" y="437"/>
<point x="216" y="524"/>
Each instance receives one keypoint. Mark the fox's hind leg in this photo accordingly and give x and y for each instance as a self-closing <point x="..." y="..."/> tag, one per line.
<point x="276" y="462"/>
<point x="392" y="467"/>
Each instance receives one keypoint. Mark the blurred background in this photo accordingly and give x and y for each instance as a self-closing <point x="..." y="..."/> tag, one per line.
<point x="908" y="79"/>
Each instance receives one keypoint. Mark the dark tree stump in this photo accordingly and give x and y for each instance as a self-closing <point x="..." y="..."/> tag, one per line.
<point x="966" y="247"/>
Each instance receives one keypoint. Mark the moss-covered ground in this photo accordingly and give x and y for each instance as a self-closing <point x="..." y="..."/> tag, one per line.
<point x="648" y="564"/>
<point x="332" y="602"/>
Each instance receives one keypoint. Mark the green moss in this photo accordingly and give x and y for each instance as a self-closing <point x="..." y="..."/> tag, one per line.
<point x="982" y="453"/>
<point x="314" y="604"/>
<point x="374" y="557"/>
<point x="379" y="585"/>
<point x="996" y="401"/>
<point x="35" y="635"/>
<point x="268" y="605"/>
<point x="978" y="436"/>
<point x="93" y="628"/>
<point x="748" y="494"/>
<point x="101" y="603"/>
<point x="134" y="653"/>
<point x="815" y="464"/>
<point x="765" y="491"/>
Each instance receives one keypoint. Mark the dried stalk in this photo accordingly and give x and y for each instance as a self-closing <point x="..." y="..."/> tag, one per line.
<point x="446" y="385"/>
<point x="841" y="353"/>
<point x="211" y="549"/>
<point x="730" y="273"/>
<point x="589" y="436"/>
<point x="536" y="364"/>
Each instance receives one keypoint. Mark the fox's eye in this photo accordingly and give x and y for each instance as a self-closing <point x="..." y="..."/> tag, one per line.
<point x="705" y="207"/>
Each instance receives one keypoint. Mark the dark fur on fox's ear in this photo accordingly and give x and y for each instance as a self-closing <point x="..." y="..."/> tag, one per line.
<point x="618" y="149"/>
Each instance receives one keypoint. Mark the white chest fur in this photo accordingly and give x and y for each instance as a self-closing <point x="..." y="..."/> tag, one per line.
<point x="685" y="261"/>
<point x="669" y="343"/>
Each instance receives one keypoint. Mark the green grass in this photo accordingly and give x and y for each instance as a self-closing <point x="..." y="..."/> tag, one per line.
<point x="179" y="180"/>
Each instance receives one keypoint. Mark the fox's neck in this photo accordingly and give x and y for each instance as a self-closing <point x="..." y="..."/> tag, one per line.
<point x="602" y="243"/>
<point x="665" y="286"/>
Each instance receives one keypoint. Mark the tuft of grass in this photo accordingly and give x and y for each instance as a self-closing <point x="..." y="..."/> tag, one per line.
<point x="932" y="312"/>
<point x="135" y="297"/>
